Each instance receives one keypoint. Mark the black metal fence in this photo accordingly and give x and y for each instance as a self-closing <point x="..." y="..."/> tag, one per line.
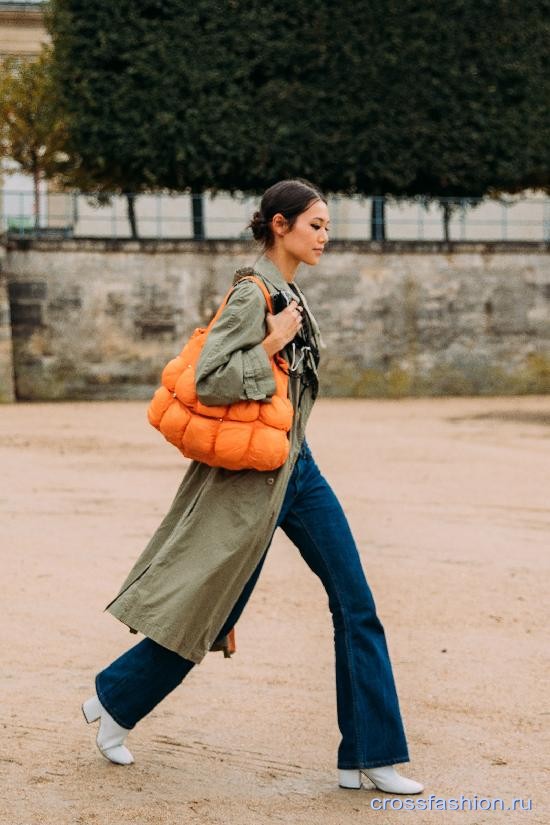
<point x="164" y="216"/>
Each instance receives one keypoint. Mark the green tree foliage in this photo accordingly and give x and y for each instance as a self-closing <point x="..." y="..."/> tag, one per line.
<point x="32" y="129"/>
<point x="370" y="96"/>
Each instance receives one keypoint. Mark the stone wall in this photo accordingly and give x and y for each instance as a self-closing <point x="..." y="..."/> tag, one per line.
<point x="98" y="319"/>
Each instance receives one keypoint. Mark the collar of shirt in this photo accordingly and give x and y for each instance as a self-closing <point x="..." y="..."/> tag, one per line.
<point x="272" y="273"/>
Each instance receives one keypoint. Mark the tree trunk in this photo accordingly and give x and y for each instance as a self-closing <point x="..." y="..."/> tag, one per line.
<point x="131" y="201"/>
<point x="36" y="187"/>
<point x="447" y="210"/>
<point x="197" y="202"/>
<point x="378" y="218"/>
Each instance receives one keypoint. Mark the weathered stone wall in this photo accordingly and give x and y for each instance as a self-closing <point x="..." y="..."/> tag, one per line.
<point x="98" y="319"/>
<point x="6" y="355"/>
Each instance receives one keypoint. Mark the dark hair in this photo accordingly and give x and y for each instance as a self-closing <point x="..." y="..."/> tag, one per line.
<point x="290" y="198"/>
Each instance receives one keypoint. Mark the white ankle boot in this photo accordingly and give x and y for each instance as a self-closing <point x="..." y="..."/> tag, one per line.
<point x="110" y="735"/>
<point x="385" y="778"/>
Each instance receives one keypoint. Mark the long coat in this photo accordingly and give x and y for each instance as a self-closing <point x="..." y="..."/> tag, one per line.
<point x="183" y="586"/>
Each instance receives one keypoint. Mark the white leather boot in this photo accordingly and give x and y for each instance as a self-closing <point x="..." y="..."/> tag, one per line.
<point x="385" y="778"/>
<point x="110" y="735"/>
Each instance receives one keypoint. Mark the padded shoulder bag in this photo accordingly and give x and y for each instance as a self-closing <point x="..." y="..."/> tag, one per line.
<point x="246" y="435"/>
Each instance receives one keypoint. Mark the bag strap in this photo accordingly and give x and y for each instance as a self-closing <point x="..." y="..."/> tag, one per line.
<point x="257" y="281"/>
<point x="277" y="359"/>
<point x="260" y="283"/>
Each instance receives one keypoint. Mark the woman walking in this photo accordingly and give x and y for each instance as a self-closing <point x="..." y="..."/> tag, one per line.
<point x="190" y="585"/>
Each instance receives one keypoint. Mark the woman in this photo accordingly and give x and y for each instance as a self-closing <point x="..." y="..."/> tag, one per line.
<point x="189" y="586"/>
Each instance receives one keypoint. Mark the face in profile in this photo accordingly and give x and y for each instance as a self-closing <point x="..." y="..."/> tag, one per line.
<point x="306" y="239"/>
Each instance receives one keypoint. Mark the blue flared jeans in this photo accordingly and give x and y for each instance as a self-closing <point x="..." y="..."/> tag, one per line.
<point x="367" y="705"/>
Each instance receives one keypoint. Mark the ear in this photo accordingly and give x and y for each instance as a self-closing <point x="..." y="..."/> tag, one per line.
<point x="279" y="224"/>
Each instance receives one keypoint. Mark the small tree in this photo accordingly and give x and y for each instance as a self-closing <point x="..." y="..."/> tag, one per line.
<point x="32" y="130"/>
<point x="129" y="105"/>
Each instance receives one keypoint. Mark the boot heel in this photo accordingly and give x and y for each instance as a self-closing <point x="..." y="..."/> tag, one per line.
<point x="91" y="709"/>
<point x="349" y="778"/>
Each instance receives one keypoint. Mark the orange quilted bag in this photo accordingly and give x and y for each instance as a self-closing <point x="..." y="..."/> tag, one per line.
<point x="246" y="435"/>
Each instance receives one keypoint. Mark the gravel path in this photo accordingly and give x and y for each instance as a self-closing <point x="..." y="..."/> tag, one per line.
<point x="449" y="502"/>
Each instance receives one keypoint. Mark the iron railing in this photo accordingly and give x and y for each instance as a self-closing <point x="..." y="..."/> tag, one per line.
<point x="183" y="216"/>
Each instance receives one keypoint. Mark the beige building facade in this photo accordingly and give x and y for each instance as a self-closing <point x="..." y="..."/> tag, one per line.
<point x="22" y="35"/>
<point x="22" y="29"/>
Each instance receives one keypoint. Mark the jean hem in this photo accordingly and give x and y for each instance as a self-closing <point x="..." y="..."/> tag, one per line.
<point x="375" y="763"/>
<point x="100" y="696"/>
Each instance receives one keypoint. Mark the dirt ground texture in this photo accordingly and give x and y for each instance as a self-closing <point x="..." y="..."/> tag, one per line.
<point x="449" y="502"/>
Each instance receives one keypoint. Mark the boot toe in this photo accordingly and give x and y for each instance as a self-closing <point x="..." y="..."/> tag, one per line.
<point x="388" y="780"/>
<point x="118" y="754"/>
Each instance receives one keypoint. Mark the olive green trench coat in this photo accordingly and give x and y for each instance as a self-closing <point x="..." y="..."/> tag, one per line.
<point x="182" y="588"/>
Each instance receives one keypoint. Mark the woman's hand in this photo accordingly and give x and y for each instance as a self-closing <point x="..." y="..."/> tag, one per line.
<point x="282" y="328"/>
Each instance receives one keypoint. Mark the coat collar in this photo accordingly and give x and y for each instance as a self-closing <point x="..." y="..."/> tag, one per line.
<point x="271" y="273"/>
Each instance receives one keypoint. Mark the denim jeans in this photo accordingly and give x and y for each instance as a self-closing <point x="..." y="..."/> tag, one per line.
<point x="367" y="705"/>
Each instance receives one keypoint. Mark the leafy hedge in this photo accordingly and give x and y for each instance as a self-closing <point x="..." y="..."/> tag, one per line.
<point x="369" y="96"/>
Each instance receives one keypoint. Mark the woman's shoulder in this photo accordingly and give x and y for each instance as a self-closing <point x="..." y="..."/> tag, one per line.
<point x="249" y="275"/>
<point x="244" y="273"/>
<point x="247" y="287"/>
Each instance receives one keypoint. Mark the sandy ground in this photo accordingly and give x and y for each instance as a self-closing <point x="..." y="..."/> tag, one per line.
<point x="449" y="502"/>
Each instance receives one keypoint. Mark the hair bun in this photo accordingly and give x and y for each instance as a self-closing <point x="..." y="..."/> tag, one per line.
<point x="258" y="225"/>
